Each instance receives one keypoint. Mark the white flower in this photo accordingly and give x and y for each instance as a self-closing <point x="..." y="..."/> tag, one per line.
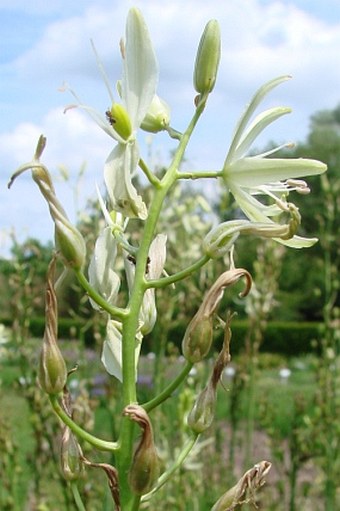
<point x="102" y="277"/>
<point x="256" y="175"/>
<point x="112" y="347"/>
<point x="155" y="265"/>
<point x="137" y="90"/>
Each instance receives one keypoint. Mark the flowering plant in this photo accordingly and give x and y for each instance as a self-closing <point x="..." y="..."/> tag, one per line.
<point x="136" y="475"/>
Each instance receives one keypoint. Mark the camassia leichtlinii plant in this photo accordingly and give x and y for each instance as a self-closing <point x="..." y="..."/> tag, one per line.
<point x="136" y="474"/>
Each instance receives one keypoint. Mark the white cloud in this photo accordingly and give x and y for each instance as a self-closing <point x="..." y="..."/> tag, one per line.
<point x="260" y="40"/>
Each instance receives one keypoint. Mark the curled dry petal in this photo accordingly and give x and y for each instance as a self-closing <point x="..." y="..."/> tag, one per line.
<point x="215" y="293"/>
<point x="244" y="491"/>
<point x="198" y="336"/>
<point x="112" y="476"/>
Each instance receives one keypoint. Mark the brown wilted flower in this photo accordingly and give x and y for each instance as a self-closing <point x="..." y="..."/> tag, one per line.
<point x="198" y="336"/>
<point x="244" y="491"/>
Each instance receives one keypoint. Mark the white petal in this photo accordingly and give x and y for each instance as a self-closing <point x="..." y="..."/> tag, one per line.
<point x="118" y="171"/>
<point x="259" y="214"/>
<point x="112" y="350"/>
<point x="297" y="242"/>
<point x="102" y="122"/>
<point x="102" y="277"/>
<point x="251" y="207"/>
<point x="140" y="74"/>
<point x="252" y="171"/>
<point x="148" y="313"/>
<point x="245" y="118"/>
<point x="157" y="254"/>
<point x="258" y="125"/>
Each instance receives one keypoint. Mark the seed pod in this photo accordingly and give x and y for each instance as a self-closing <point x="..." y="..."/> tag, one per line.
<point x="208" y="58"/>
<point x="202" y="414"/>
<point x="119" y="120"/>
<point x="70" y="243"/>
<point x="71" y="456"/>
<point x="197" y="338"/>
<point x="52" y="374"/>
<point x="144" y="470"/>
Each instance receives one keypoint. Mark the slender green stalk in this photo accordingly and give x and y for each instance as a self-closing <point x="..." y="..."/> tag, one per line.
<point x="168" y="391"/>
<point x="209" y="174"/>
<point x="130" y="320"/>
<point x="151" y="177"/>
<point x="103" y="445"/>
<point x="77" y="497"/>
<point x="115" y="312"/>
<point x="176" y="465"/>
<point x="171" y="279"/>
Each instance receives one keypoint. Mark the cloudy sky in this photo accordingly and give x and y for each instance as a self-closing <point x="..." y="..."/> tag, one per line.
<point x="44" y="44"/>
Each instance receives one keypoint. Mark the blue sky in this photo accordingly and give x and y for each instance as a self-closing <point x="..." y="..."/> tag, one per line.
<point x="47" y="43"/>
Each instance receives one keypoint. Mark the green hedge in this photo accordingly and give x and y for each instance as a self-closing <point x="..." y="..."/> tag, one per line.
<point x="288" y="338"/>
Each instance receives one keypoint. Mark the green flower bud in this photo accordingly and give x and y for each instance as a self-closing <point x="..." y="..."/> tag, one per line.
<point x="157" y="117"/>
<point x="202" y="414"/>
<point x="197" y="338"/>
<point x="208" y="58"/>
<point x="119" y="120"/>
<point x="71" y="464"/>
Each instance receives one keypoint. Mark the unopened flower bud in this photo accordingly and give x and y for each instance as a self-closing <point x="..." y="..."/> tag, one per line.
<point x="202" y="414"/>
<point x="144" y="470"/>
<point x="208" y="58"/>
<point x="71" y="465"/>
<point x="157" y="117"/>
<point x="52" y="373"/>
<point x="197" y="338"/>
<point x="119" y="120"/>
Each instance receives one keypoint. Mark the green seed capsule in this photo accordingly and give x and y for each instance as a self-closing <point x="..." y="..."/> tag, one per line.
<point x="144" y="470"/>
<point x="208" y="58"/>
<point x="71" y="244"/>
<point x="197" y="338"/>
<point x="202" y="414"/>
<point x="52" y="373"/>
<point x="119" y="120"/>
<point x="71" y="465"/>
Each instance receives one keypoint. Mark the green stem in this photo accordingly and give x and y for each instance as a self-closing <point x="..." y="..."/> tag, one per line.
<point x="208" y="174"/>
<point x="115" y="312"/>
<point x="77" y="497"/>
<point x="151" y="177"/>
<point x="171" y="279"/>
<point x="130" y="319"/>
<point x="168" y="473"/>
<point x="166" y="393"/>
<point x="103" y="445"/>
